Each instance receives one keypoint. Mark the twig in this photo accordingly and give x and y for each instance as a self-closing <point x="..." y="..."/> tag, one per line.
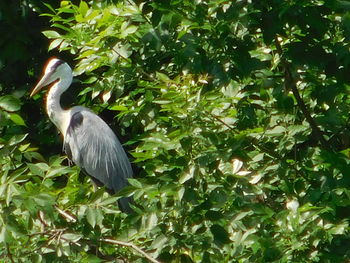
<point x="66" y="215"/>
<point x="71" y="218"/>
<point x="9" y="254"/>
<point x="42" y="220"/>
<point x="50" y="231"/>
<point x="127" y="244"/>
<point x="290" y="84"/>
<point x="119" y="54"/>
<point x="222" y="122"/>
<point x="253" y="140"/>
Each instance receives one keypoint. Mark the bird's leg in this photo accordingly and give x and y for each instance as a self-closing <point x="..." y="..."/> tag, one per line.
<point x="70" y="162"/>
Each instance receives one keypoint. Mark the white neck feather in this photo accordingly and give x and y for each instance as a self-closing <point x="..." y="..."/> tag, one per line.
<point x="57" y="115"/>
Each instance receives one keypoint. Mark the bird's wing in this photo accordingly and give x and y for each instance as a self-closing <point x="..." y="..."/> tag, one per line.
<point x="93" y="146"/>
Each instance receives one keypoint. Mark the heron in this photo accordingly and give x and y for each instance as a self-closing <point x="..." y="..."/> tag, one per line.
<point x="87" y="140"/>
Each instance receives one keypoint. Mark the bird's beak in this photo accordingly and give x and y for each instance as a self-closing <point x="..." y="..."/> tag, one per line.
<point x="44" y="81"/>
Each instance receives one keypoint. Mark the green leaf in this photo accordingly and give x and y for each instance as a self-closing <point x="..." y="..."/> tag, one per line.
<point x="16" y="139"/>
<point x="49" y="7"/>
<point x="159" y="242"/>
<point x="187" y="176"/>
<point x="163" y="77"/>
<point x="118" y="108"/>
<point x="94" y="216"/>
<point x="221" y="236"/>
<point x="57" y="171"/>
<point x="5" y="236"/>
<point x="33" y="155"/>
<point x="44" y="200"/>
<point x="276" y="131"/>
<point x="127" y="30"/>
<point x="135" y="183"/>
<point x="17" y="119"/>
<point x="55" y="44"/>
<point x="83" y="8"/>
<point x="24" y="147"/>
<point x="38" y="168"/>
<point x="10" y="103"/>
<point x="51" y="34"/>
<point x="108" y="201"/>
<point x="91" y="216"/>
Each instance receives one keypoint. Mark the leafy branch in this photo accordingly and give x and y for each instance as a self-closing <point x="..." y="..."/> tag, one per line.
<point x="254" y="141"/>
<point x="57" y="234"/>
<point x="290" y="84"/>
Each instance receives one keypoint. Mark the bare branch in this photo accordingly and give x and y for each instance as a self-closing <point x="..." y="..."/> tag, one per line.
<point x="42" y="220"/>
<point x="67" y="216"/>
<point x="131" y="245"/>
<point x="9" y="254"/>
<point x="49" y="231"/>
<point x="73" y="219"/>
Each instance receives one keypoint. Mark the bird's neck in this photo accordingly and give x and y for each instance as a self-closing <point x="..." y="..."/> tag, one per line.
<point x="57" y="115"/>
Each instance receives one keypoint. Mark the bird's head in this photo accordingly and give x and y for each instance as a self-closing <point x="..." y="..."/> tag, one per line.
<point x="55" y="70"/>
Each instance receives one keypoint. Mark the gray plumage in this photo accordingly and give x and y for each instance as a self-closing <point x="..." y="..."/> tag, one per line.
<point x="92" y="145"/>
<point x="88" y="140"/>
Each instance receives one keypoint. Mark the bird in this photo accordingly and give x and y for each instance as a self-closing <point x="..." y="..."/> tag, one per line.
<point x="87" y="140"/>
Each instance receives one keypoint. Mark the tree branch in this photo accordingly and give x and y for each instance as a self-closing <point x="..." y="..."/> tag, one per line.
<point x="67" y="216"/>
<point x="9" y="254"/>
<point x="290" y="84"/>
<point x="254" y="141"/>
<point x="70" y="218"/>
<point x="131" y="245"/>
<point x="48" y="232"/>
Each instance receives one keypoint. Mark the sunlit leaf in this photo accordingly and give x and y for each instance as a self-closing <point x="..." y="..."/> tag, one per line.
<point x="17" y="119"/>
<point x="118" y="108"/>
<point x="16" y="139"/>
<point x="83" y="8"/>
<point x="54" y="44"/>
<point x="10" y="103"/>
<point x="51" y="34"/>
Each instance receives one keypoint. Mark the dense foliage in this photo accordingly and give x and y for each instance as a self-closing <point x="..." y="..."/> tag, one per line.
<point x="235" y="115"/>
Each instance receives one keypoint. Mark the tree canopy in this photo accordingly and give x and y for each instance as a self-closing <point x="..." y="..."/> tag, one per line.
<point x="235" y="115"/>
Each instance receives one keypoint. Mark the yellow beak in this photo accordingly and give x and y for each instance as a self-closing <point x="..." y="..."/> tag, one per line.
<point x="44" y="81"/>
